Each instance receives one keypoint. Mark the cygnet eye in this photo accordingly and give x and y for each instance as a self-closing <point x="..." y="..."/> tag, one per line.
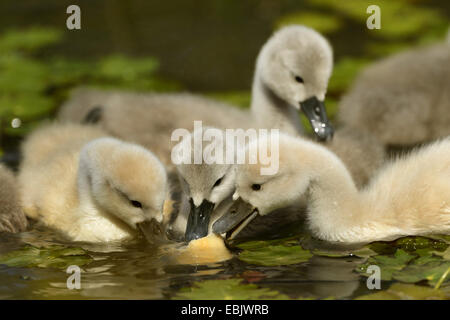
<point x="218" y="182"/>
<point x="256" y="187"/>
<point x="299" y="79"/>
<point x="136" y="204"/>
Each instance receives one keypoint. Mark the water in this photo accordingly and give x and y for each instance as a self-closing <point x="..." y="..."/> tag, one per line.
<point x="136" y="270"/>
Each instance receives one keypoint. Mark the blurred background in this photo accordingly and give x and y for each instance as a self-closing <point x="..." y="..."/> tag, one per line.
<point x="205" y="46"/>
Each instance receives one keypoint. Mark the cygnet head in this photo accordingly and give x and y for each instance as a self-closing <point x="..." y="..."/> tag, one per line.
<point x="266" y="193"/>
<point x="209" y="181"/>
<point x="122" y="179"/>
<point x="296" y="64"/>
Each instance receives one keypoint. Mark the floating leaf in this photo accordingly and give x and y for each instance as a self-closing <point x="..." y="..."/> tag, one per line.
<point x="431" y="271"/>
<point x="29" y="39"/>
<point x="344" y="73"/>
<point x="274" y="252"/>
<point x="68" y="71"/>
<point x="442" y="238"/>
<point x="276" y="255"/>
<point x="364" y="252"/>
<point x="397" y="19"/>
<point x="445" y="255"/>
<point x="22" y="75"/>
<point x="387" y="264"/>
<point x="51" y="257"/>
<point x="123" y="68"/>
<point x="413" y="244"/>
<point x="25" y="106"/>
<point x="419" y="259"/>
<point x="229" y="289"/>
<point x="236" y="98"/>
<point x="417" y="245"/>
<point x="31" y="88"/>
<point x="400" y="291"/>
<point x="386" y="48"/>
<point x="258" y="244"/>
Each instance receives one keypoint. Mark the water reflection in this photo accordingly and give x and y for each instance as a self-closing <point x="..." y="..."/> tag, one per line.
<point x="136" y="270"/>
<point x="133" y="270"/>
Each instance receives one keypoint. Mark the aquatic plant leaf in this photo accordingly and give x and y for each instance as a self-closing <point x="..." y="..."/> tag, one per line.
<point x="274" y="252"/>
<point x="258" y="244"/>
<point x="413" y="244"/>
<point x="355" y="9"/>
<point x="322" y="22"/>
<point x="69" y="71"/>
<point x="386" y="48"/>
<point x="141" y="84"/>
<point x="445" y="255"/>
<point x="364" y="252"/>
<point x="228" y="289"/>
<point x="236" y="98"/>
<point x="416" y="259"/>
<point x="344" y="73"/>
<point x="31" y="88"/>
<point x="331" y="254"/>
<point x="417" y="245"/>
<point x="431" y="271"/>
<point x="400" y="291"/>
<point x="445" y="238"/>
<point x="29" y="39"/>
<point x="21" y="75"/>
<point x="387" y="264"/>
<point x="399" y="19"/>
<point x="25" y="106"/>
<point x="124" y="68"/>
<point x="50" y="257"/>
<point x="277" y="255"/>
<point x="137" y="74"/>
<point x="408" y="22"/>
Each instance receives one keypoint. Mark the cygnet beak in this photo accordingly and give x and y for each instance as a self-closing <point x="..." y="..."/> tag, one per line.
<point x="239" y="215"/>
<point x="198" y="221"/>
<point x="314" y="109"/>
<point x="153" y="231"/>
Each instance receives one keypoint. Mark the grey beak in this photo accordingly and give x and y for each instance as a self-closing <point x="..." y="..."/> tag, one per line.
<point x="235" y="219"/>
<point x="314" y="109"/>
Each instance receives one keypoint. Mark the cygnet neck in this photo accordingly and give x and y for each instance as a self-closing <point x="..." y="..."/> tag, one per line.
<point x="270" y="111"/>
<point x="84" y="186"/>
<point x="334" y="204"/>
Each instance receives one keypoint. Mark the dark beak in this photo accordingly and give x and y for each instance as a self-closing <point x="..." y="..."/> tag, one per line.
<point x="198" y="221"/>
<point x="236" y="219"/>
<point x="317" y="116"/>
<point x="153" y="232"/>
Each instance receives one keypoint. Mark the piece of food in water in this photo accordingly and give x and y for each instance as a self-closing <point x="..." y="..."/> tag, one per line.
<point x="209" y="249"/>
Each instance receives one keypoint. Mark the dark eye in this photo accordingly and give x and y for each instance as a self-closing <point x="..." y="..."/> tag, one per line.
<point x="218" y="182"/>
<point x="256" y="187"/>
<point x="136" y="204"/>
<point x="299" y="79"/>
